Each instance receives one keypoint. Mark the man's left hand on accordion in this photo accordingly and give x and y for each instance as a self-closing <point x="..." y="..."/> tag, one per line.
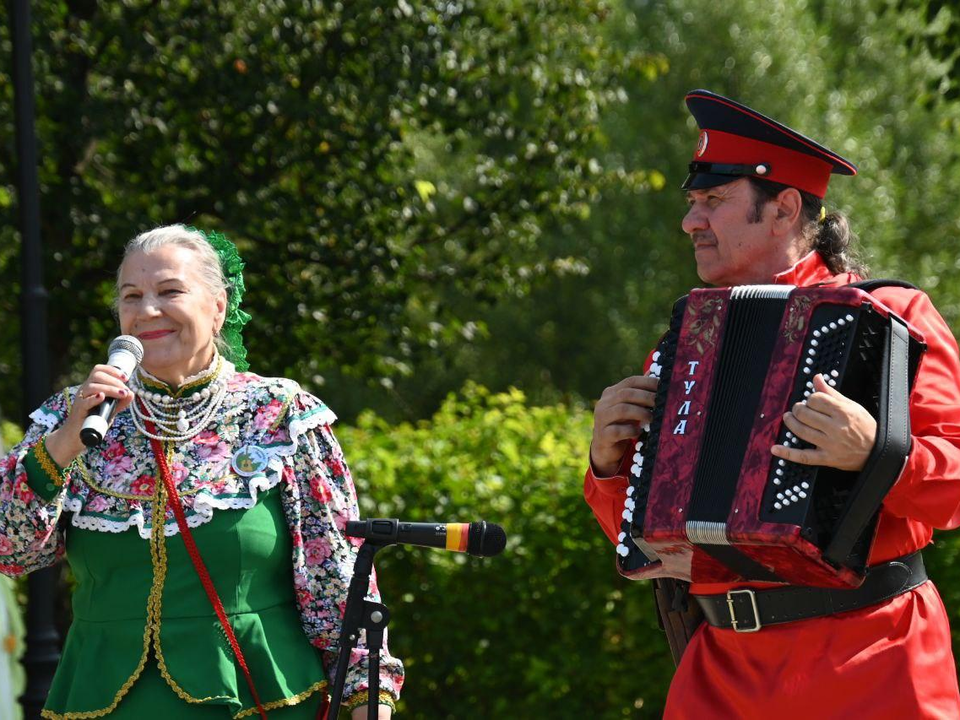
<point x="842" y="431"/>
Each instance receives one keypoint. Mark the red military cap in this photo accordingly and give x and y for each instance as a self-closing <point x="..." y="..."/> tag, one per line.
<point x="736" y="141"/>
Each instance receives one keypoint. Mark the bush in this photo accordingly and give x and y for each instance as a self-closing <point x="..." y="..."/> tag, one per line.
<point x="546" y="629"/>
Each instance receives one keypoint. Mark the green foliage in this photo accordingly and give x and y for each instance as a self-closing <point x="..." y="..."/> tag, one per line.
<point x="10" y="434"/>
<point x="844" y="73"/>
<point x="432" y="192"/>
<point x="372" y="160"/>
<point x="548" y="628"/>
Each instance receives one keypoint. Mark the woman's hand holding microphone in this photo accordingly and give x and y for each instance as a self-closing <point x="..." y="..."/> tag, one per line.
<point x="104" y="381"/>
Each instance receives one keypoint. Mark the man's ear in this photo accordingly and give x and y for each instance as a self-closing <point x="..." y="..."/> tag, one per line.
<point x="789" y="206"/>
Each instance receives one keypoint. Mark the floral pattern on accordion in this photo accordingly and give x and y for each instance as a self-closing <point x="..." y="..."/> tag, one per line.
<point x="109" y="489"/>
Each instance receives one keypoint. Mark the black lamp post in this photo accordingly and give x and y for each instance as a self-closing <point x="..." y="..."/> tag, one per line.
<point x="42" y="651"/>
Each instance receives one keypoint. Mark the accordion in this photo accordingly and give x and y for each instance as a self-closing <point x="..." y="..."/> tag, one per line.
<point x="707" y="500"/>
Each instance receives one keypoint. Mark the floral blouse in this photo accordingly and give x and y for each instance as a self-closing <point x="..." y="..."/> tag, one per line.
<point x="109" y="489"/>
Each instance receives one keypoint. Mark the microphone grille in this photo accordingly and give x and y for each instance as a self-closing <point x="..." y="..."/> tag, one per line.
<point x="128" y="343"/>
<point x="486" y="539"/>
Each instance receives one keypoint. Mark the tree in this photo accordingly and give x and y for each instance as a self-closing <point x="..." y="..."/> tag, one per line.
<point x="370" y="159"/>
<point x="845" y="73"/>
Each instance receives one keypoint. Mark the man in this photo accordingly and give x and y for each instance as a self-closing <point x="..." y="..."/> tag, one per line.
<point x="755" y="192"/>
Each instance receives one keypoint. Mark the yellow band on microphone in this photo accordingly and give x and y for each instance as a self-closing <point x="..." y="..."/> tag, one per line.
<point x="457" y="536"/>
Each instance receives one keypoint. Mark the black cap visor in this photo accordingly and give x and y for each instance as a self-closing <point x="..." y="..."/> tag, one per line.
<point x="708" y="175"/>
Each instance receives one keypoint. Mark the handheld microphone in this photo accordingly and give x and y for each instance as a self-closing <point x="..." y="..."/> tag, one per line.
<point x="125" y="354"/>
<point x="482" y="539"/>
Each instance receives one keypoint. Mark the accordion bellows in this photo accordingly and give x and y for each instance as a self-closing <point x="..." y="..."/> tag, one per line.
<point x="707" y="501"/>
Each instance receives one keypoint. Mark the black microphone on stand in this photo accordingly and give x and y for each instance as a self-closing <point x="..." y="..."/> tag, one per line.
<point x="125" y="353"/>
<point x="481" y="539"/>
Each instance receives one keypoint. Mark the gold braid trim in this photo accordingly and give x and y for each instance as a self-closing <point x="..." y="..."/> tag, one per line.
<point x="282" y="415"/>
<point x="158" y="541"/>
<point x="284" y="702"/>
<point x="47" y="463"/>
<point x="384" y="698"/>
<point x="152" y="628"/>
<point x="205" y="379"/>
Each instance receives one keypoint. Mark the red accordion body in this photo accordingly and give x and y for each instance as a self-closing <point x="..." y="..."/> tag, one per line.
<point x="707" y="500"/>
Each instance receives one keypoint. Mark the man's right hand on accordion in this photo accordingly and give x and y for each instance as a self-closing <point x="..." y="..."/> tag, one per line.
<point x="815" y="602"/>
<point x="622" y="412"/>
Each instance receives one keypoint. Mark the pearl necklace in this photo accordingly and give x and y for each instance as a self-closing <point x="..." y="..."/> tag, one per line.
<point x="178" y="419"/>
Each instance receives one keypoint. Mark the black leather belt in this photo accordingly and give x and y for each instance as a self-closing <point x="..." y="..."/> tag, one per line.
<point x="748" y="610"/>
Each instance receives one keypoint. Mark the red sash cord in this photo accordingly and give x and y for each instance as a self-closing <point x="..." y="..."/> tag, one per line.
<point x="173" y="500"/>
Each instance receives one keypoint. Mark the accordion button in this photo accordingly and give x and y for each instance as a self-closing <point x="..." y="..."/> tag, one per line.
<point x="833" y="326"/>
<point x="778" y="506"/>
<point x="816" y="333"/>
<point x="779" y="496"/>
<point x="635" y="469"/>
<point x="656" y="356"/>
<point x="814" y="342"/>
<point x="628" y="516"/>
<point x="776" y="481"/>
<point x="639" y="445"/>
<point x="834" y="373"/>
<point x="809" y="361"/>
<point x="806" y="371"/>
<point x="621" y="537"/>
<point x="802" y="494"/>
<point x="805" y="485"/>
<point x="629" y="490"/>
<point x="638" y="458"/>
<point x="849" y="318"/>
<point x="781" y="462"/>
<point x="630" y="504"/>
<point x="779" y="472"/>
<point x="622" y="550"/>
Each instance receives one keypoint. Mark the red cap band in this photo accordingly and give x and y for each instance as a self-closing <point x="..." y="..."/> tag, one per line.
<point x="785" y="166"/>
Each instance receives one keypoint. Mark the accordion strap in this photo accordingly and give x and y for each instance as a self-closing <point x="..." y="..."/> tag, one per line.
<point x="871" y="285"/>
<point x="890" y="448"/>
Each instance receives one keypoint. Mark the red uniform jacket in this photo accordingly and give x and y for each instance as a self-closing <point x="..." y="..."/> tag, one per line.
<point x="887" y="661"/>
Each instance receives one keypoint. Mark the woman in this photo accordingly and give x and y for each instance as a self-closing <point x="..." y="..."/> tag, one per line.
<point x="264" y="492"/>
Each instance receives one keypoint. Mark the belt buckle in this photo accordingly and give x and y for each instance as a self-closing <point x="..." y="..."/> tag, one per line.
<point x="733" y="614"/>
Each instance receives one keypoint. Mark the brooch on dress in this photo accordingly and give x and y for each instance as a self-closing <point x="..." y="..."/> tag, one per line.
<point x="249" y="460"/>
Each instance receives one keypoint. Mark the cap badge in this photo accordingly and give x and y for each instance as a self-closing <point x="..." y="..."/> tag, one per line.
<point x="249" y="460"/>
<point x="702" y="143"/>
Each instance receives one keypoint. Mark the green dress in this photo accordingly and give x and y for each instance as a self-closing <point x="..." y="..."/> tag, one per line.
<point x="142" y="619"/>
<point x="266" y="493"/>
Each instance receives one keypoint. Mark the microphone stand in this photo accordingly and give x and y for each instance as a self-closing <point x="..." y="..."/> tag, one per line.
<point x="370" y="616"/>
